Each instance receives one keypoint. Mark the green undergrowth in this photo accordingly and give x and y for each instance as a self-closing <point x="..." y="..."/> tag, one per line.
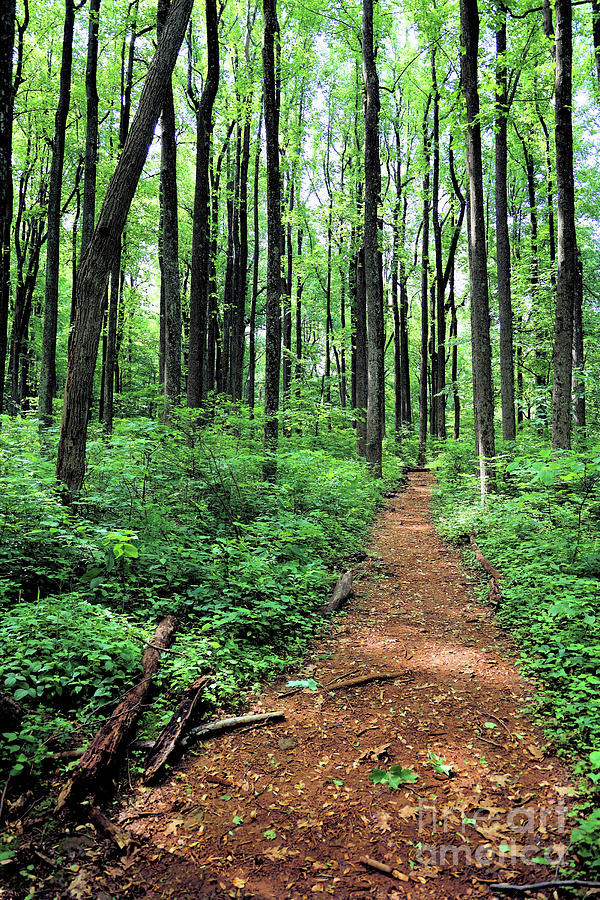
<point x="540" y="528"/>
<point x="172" y="519"/>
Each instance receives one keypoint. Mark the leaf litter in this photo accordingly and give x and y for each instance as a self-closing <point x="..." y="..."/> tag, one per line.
<point x="303" y="811"/>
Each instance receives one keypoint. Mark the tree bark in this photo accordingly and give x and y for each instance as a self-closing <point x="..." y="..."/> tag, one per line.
<point x="480" y="314"/>
<point x="47" y="389"/>
<point x="373" y="283"/>
<point x="361" y="357"/>
<point x="103" y="248"/>
<point x="578" y="387"/>
<point x="424" y="287"/>
<point x="566" y="282"/>
<point x="7" y="37"/>
<point x="255" y="259"/>
<point x="88" y="211"/>
<point x="507" y="366"/>
<point x="170" y="236"/>
<point x="439" y="360"/>
<point x="201" y="239"/>
<point x="272" y="309"/>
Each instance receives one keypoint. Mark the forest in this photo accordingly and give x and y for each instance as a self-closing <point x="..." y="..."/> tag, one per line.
<point x="266" y="269"/>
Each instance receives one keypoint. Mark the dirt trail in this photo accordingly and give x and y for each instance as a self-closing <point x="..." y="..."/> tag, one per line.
<point x="288" y="811"/>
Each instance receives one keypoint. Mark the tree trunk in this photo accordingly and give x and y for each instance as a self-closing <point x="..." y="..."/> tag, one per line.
<point x="7" y="37"/>
<point x="201" y="239"/>
<point x="170" y="236"/>
<point x="507" y="365"/>
<point x="47" y="389"/>
<point x="103" y="249"/>
<point x="596" y="36"/>
<point x="439" y="400"/>
<point x="91" y="133"/>
<point x="480" y="314"/>
<point x="375" y="336"/>
<point x="272" y="309"/>
<point x="424" y="288"/>
<point x="238" y="342"/>
<point x="361" y="355"/>
<point x="566" y="282"/>
<point x="254" y="296"/>
<point x="578" y="387"/>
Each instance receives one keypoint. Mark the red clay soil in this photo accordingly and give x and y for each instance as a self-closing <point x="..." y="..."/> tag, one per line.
<point x="287" y="811"/>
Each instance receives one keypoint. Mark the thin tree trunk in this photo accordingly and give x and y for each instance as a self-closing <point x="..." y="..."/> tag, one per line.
<point x="480" y="313"/>
<point x="424" y="288"/>
<point x="376" y="383"/>
<point x="361" y="355"/>
<point x="272" y="309"/>
<point x="91" y="134"/>
<point x="566" y="283"/>
<point x="255" y="260"/>
<point x="507" y="370"/>
<point x="201" y="237"/>
<point x="47" y="389"/>
<point x="439" y="349"/>
<point x="7" y="36"/>
<point x="103" y="249"/>
<point x="578" y="388"/>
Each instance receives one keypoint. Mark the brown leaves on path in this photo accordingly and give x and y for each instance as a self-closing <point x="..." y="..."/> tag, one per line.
<point x="290" y="811"/>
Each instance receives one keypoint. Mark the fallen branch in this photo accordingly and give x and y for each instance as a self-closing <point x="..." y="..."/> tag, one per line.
<point x="378" y="866"/>
<point x="539" y="885"/>
<point x="169" y="737"/>
<point x="341" y="592"/>
<point x="103" y="752"/>
<point x="366" y="679"/>
<point x="235" y="722"/>
<point x="119" y="836"/>
<point x="495" y="576"/>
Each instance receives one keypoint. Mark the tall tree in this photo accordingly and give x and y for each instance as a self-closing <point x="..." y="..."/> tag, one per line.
<point x="203" y="106"/>
<point x="483" y="394"/>
<point x="566" y="281"/>
<point x="271" y="101"/>
<point x="103" y="249"/>
<point x="47" y="388"/>
<point x="373" y="282"/>
<point x="91" y="128"/>
<point x="7" y="37"/>
<point x="169" y="236"/>
<point x="507" y="366"/>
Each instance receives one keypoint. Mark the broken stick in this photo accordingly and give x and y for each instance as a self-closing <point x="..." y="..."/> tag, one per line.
<point x="119" y="836"/>
<point x="495" y="576"/>
<point x="169" y="737"/>
<point x="366" y="679"/>
<point x="378" y="866"/>
<point x="341" y="592"/>
<point x="103" y="752"/>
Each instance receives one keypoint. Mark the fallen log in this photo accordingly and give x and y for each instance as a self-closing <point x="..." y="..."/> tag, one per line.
<point x="494" y="574"/>
<point x="170" y="736"/>
<point x="341" y="592"/>
<point x="542" y="885"/>
<point x="103" y="752"/>
<point x="367" y="679"/>
<point x="235" y="722"/>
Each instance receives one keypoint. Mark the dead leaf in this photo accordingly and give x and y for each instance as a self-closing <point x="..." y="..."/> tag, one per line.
<point x="536" y="752"/>
<point x="239" y="882"/>
<point x="382" y="820"/>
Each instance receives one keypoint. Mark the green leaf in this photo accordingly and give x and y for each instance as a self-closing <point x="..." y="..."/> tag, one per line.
<point x="440" y="765"/>
<point x="237" y="820"/>
<point x="270" y="834"/>
<point x="309" y="683"/>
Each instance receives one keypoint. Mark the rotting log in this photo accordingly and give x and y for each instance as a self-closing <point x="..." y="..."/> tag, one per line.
<point x="119" y="836"/>
<point x="103" y="752"/>
<point x="494" y="574"/>
<point x="341" y="592"/>
<point x="170" y="736"/>
<point x="235" y="722"/>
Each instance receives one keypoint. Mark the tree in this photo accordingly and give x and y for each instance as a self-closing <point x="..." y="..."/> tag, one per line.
<point x="483" y="396"/>
<point x="203" y="107"/>
<point x="7" y="36"/>
<point x="271" y="102"/>
<point x="567" y="278"/>
<point x="103" y="249"/>
<point x="47" y="388"/>
<point x="373" y="285"/>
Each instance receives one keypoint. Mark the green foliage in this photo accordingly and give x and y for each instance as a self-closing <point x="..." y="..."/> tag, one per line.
<point x="394" y="777"/>
<point x="174" y="519"/>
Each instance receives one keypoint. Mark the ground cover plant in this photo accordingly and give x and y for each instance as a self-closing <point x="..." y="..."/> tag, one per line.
<point x="170" y="521"/>
<point x="540" y="529"/>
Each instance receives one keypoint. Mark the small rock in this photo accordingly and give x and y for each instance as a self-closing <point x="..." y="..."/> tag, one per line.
<point x="287" y="743"/>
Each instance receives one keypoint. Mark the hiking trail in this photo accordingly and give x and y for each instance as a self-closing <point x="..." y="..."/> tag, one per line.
<point x="288" y="810"/>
